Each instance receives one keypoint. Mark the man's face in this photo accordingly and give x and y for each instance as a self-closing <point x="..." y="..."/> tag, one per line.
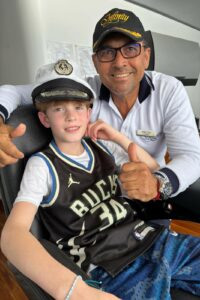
<point x="122" y="75"/>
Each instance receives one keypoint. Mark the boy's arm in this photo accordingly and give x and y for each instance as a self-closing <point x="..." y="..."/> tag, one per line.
<point x="28" y="255"/>
<point x="101" y="130"/>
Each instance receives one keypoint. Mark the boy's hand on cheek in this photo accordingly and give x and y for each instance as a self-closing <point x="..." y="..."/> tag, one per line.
<point x="101" y="130"/>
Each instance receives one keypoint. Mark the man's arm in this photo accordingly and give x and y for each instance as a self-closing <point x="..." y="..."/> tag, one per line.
<point x="12" y="96"/>
<point x="181" y="137"/>
<point x="136" y="176"/>
<point x="182" y="140"/>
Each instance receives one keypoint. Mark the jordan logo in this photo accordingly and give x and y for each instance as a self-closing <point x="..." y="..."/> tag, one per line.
<point x="71" y="181"/>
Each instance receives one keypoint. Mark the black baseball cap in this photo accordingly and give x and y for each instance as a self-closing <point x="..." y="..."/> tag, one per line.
<point x="118" y="20"/>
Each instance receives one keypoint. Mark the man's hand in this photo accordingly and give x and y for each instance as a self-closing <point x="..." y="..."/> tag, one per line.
<point x="9" y="153"/>
<point x="136" y="178"/>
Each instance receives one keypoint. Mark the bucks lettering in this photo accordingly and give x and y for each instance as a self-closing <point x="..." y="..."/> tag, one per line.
<point x="99" y="201"/>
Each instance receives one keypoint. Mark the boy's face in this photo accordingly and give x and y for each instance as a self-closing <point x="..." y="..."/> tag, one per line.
<point x="68" y="121"/>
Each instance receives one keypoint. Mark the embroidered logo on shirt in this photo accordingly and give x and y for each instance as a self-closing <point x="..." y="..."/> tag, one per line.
<point x="72" y="181"/>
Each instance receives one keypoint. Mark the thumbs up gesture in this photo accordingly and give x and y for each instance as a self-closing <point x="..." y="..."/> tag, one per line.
<point x="137" y="179"/>
<point x="132" y="152"/>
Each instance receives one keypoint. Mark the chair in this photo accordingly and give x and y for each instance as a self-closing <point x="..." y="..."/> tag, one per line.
<point x="35" y="138"/>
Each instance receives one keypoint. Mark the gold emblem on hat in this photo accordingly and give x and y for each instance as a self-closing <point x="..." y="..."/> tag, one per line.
<point x="63" y="67"/>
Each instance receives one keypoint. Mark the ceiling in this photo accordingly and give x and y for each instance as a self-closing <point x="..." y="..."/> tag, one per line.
<point x="183" y="11"/>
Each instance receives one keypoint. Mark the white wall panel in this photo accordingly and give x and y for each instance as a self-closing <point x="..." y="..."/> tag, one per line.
<point x="30" y="29"/>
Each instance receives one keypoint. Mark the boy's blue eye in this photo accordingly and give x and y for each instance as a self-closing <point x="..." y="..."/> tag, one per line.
<point x="78" y="107"/>
<point x="59" y="109"/>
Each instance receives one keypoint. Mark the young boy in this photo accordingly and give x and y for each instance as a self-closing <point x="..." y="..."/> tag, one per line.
<point x="73" y="184"/>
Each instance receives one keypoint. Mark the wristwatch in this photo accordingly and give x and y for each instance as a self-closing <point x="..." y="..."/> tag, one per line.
<point x="165" y="188"/>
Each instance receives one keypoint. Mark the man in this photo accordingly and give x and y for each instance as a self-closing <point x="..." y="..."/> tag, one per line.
<point x="154" y="111"/>
<point x="152" y="108"/>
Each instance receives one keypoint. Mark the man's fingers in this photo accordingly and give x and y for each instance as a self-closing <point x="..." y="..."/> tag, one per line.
<point x="126" y="176"/>
<point x="7" y="159"/>
<point x="9" y="153"/>
<point x="14" y="152"/>
<point x="7" y="148"/>
<point x="131" y="166"/>
<point x="18" y="131"/>
<point x="132" y="153"/>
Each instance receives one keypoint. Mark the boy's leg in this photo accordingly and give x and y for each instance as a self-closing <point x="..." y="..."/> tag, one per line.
<point x="174" y="260"/>
<point x="186" y="266"/>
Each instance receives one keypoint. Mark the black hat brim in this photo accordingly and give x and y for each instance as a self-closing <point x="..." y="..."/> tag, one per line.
<point x="133" y="35"/>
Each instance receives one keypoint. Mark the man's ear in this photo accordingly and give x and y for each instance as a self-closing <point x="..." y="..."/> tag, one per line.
<point x="43" y="119"/>
<point x="147" y="55"/>
<point x="94" y="59"/>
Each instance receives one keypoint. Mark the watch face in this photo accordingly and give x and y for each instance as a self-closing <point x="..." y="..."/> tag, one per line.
<point x="165" y="188"/>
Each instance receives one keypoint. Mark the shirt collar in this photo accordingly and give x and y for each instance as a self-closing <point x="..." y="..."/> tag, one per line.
<point x="146" y="85"/>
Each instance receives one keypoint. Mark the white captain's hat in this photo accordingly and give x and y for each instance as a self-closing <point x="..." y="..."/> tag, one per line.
<point x="61" y="81"/>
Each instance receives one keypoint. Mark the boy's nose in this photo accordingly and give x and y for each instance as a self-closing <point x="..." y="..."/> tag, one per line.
<point x="70" y="116"/>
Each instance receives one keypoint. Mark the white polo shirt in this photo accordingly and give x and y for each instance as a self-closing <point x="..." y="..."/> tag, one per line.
<point x="161" y="119"/>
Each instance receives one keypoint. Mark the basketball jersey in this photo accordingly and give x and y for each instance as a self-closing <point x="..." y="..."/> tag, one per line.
<point x="85" y="214"/>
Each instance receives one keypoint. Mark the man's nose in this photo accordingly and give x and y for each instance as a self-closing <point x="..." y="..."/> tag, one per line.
<point x="119" y="59"/>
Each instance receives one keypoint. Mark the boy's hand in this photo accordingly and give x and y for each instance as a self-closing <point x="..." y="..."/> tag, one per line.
<point x="9" y="153"/>
<point x="136" y="178"/>
<point x="101" y="130"/>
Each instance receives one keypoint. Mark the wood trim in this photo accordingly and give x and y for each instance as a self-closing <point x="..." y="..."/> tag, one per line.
<point x="186" y="227"/>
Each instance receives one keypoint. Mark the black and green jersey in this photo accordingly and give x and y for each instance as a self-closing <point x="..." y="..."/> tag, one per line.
<point x="85" y="213"/>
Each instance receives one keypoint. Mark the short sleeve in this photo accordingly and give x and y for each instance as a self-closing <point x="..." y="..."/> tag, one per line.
<point x="36" y="182"/>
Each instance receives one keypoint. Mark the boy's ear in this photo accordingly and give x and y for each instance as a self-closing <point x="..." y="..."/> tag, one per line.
<point x="89" y="113"/>
<point x="43" y="119"/>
